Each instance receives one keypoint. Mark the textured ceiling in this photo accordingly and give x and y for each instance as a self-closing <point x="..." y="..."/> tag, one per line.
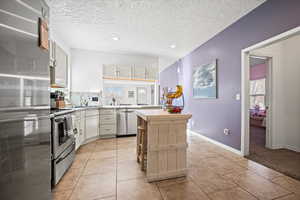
<point x="144" y="26"/>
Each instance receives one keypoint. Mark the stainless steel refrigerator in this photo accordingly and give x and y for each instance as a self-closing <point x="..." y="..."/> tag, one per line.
<point x="25" y="171"/>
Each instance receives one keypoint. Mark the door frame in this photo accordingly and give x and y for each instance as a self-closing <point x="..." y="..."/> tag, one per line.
<point x="245" y="89"/>
<point x="268" y="97"/>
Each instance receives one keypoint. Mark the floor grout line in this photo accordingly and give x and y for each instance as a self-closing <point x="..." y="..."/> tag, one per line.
<point x="116" y="168"/>
<point x="159" y="192"/>
<point x="77" y="181"/>
<point x="248" y="192"/>
<point x="292" y="193"/>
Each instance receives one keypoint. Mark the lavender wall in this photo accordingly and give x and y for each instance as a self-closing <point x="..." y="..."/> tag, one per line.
<point x="169" y="77"/>
<point x="210" y="117"/>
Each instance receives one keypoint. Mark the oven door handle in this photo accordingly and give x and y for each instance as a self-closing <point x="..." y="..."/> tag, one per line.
<point x="61" y="159"/>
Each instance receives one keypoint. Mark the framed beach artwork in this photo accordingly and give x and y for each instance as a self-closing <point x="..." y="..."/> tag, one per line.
<point x="205" y="81"/>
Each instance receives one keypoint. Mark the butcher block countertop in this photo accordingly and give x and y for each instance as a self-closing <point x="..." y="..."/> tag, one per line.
<point x="160" y="114"/>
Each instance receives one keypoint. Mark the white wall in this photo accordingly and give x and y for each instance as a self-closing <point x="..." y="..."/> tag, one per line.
<point x="285" y="92"/>
<point x="87" y="67"/>
<point x="291" y="91"/>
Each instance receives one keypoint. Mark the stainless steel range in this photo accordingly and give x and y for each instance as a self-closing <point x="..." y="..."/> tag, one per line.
<point x="63" y="146"/>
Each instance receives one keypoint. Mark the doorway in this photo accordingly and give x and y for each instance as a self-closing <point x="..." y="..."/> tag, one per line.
<point x="260" y="78"/>
<point x="270" y="116"/>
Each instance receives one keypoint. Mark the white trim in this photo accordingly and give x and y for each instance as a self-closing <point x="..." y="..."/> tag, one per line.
<point x="274" y="39"/>
<point x="245" y="103"/>
<point x="86" y="141"/>
<point x="269" y="103"/>
<point x="224" y="146"/>
<point x="293" y="148"/>
<point x="245" y="84"/>
<point x="259" y="57"/>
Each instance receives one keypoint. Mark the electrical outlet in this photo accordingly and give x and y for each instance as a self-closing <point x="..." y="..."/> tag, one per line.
<point x="226" y="131"/>
<point x="238" y="97"/>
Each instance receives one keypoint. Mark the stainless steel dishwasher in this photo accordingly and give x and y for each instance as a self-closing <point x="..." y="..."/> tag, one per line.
<point x="121" y="122"/>
<point x="131" y="122"/>
<point x="127" y="122"/>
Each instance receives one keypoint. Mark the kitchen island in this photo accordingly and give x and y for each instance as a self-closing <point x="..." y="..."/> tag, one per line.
<point x="162" y="143"/>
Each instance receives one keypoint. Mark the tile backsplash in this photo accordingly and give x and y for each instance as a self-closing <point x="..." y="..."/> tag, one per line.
<point x="78" y="98"/>
<point x="127" y="94"/>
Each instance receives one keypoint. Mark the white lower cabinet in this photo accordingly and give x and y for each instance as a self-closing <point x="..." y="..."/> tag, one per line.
<point x="108" y="123"/>
<point x="91" y="127"/>
<point x="91" y="124"/>
<point x="108" y="129"/>
<point x="79" y="127"/>
<point x="82" y="127"/>
<point x="76" y="130"/>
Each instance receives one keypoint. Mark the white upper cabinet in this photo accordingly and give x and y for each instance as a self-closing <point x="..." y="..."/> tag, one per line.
<point x="152" y="73"/>
<point x="139" y="72"/>
<point x="124" y="71"/>
<point x="59" y="59"/>
<point x="110" y="71"/>
<point x="61" y="67"/>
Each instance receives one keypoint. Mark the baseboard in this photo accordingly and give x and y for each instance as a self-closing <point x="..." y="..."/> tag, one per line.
<point x="276" y="146"/>
<point x="90" y="140"/>
<point x="224" y="146"/>
<point x="293" y="148"/>
<point x="107" y="136"/>
<point x="289" y="147"/>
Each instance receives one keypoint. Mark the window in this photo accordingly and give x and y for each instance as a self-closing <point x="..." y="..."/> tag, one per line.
<point x="258" y="93"/>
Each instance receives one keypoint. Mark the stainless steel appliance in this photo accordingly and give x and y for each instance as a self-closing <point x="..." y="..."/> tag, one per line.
<point x="63" y="146"/>
<point x="131" y="122"/>
<point x="121" y="122"/>
<point x="94" y="101"/>
<point x="127" y="122"/>
<point x="25" y="126"/>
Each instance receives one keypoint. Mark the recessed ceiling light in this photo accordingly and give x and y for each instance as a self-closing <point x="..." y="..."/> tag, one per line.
<point x="172" y="46"/>
<point x="115" y="38"/>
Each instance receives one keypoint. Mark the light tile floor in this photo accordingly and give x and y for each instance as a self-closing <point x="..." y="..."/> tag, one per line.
<point x="107" y="170"/>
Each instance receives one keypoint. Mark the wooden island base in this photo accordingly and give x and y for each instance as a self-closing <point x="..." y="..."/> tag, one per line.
<point x="162" y="144"/>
